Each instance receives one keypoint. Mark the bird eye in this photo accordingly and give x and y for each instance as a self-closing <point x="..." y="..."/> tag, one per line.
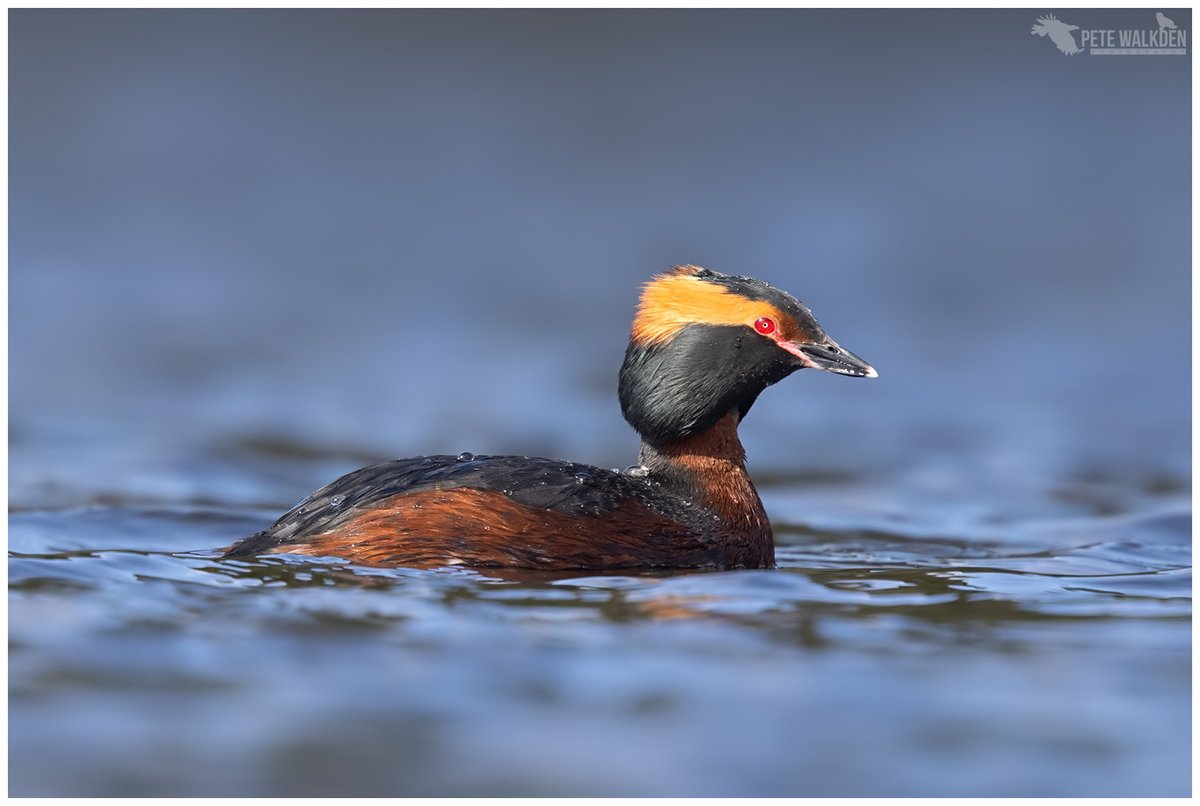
<point x="765" y="325"/>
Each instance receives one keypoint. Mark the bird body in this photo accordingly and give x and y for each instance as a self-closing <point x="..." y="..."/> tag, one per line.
<point x="703" y="346"/>
<point x="1164" y="22"/>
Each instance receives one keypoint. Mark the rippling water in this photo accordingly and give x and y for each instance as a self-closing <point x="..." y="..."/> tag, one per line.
<point x="251" y="252"/>
<point x="1027" y="659"/>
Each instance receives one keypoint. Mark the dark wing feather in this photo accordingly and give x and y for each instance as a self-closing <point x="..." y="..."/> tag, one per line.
<point x="564" y="487"/>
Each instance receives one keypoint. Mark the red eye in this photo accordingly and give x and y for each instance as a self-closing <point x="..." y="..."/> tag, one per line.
<point x="765" y="325"/>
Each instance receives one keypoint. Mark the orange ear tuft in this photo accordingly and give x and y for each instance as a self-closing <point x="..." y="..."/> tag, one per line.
<point x="679" y="298"/>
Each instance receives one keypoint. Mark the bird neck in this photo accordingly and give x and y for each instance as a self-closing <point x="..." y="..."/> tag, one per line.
<point x="710" y="468"/>
<point x="716" y="449"/>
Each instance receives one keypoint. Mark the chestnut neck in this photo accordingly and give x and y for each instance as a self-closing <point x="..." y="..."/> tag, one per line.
<point x="710" y="467"/>
<point x="715" y="449"/>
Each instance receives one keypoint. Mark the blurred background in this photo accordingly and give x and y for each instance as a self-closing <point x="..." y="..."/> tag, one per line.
<point x="251" y="250"/>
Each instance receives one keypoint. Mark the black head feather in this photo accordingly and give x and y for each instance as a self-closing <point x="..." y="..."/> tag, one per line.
<point x="685" y="385"/>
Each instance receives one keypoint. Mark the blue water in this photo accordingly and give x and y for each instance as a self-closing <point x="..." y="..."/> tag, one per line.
<point x="250" y="251"/>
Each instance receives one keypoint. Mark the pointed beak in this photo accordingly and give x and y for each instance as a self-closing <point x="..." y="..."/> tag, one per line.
<point x="831" y="357"/>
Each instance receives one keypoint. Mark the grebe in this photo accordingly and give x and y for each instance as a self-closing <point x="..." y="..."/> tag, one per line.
<point x="702" y="348"/>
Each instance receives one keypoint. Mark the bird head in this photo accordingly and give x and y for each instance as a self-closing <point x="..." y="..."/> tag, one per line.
<point x="704" y="344"/>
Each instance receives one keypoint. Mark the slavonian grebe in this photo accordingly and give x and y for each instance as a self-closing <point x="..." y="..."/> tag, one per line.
<point x="702" y="348"/>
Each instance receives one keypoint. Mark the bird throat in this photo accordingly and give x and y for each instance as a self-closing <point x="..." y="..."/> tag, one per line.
<point x="711" y="467"/>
